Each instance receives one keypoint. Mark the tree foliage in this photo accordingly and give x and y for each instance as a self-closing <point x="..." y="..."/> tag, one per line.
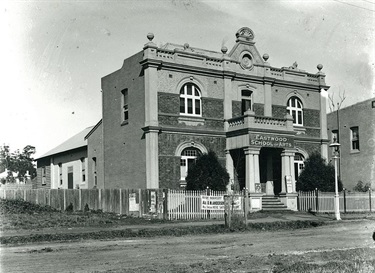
<point x="360" y="187"/>
<point x="18" y="162"/>
<point x="317" y="174"/>
<point x="207" y="172"/>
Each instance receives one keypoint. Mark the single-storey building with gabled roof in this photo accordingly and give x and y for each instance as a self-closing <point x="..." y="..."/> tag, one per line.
<point x="65" y="166"/>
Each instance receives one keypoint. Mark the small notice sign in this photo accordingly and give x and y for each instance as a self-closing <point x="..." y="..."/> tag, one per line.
<point x="133" y="205"/>
<point x="209" y="202"/>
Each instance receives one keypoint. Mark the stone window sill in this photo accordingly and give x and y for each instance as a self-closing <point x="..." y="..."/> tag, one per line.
<point x="299" y="129"/>
<point x="355" y="151"/>
<point x="125" y="122"/>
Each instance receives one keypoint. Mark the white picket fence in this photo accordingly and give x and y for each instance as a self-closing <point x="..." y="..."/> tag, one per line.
<point x="348" y="201"/>
<point x="189" y="205"/>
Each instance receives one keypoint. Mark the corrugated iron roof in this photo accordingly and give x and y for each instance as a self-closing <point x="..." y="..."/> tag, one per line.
<point x="76" y="141"/>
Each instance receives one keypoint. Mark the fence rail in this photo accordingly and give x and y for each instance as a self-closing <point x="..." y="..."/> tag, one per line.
<point x="176" y="204"/>
<point x="137" y="202"/>
<point x="196" y="204"/>
<point x="318" y="201"/>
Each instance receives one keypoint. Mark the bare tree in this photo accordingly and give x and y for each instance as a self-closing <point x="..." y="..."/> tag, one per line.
<point x="332" y="103"/>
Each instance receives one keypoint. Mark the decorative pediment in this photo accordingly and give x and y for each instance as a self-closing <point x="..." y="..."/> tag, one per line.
<point x="245" y="34"/>
<point x="244" y="51"/>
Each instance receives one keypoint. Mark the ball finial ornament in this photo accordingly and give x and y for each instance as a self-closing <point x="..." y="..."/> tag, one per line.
<point x="150" y="36"/>
<point x="266" y="57"/>
<point x="224" y="49"/>
<point x="319" y="66"/>
<point x="186" y="45"/>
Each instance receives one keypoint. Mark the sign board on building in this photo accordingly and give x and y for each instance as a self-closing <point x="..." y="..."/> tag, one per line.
<point x="209" y="202"/>
<point x="271" y="140"/>
<point x="289" y="185"/>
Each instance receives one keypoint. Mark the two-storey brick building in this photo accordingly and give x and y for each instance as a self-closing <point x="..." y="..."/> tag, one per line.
<point x="168" y="104"/>
<point x="354" y="128"/>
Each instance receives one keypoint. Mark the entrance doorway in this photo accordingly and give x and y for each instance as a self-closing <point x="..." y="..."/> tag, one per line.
<point x="270" y="168"/>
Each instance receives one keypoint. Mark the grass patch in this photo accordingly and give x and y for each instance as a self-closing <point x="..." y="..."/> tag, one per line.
<point x="18" y="214"/>
<point x="350" y="260"/>
<point x="153" y="232"/>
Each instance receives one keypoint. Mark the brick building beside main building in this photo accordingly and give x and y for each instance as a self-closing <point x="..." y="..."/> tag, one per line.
<point x="168" y="104"/>
<point x="354" y="128"/>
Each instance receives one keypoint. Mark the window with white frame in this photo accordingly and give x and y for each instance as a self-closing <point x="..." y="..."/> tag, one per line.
<point x="190" y="100"/>
<point x="354" y="138"/>
<point x="246" y="101"/>
<point x="125" y="105"/>
<point x="295" y="109"/>
<point x="188" y="157"/>
<point x="44" y="180"/>
<point x="299" y="164"/>
<point x="335" y="136"/>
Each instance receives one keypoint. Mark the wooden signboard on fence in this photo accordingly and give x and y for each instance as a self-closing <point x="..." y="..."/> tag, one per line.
<point x="209" y="202"/>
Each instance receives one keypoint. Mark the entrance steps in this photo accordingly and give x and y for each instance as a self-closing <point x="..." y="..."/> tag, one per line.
<point x="273" y="203"/>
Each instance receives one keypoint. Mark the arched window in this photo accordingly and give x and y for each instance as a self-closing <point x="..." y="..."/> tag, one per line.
<point x="246" y="100"/>
<point x="188" y="157"/>
<point x="295" y="109"/>
<point x="299" y="165"/>
<point x="190" y="100"/>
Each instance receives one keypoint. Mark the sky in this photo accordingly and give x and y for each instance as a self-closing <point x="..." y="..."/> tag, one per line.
<point x="54" y="53"/>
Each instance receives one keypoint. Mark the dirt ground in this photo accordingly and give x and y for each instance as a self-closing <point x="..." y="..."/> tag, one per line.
<point x="233" y="252"/>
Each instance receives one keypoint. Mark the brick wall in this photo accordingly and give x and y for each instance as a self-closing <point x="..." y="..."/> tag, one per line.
<point x="123" y="145"/>
<point x="236" y="108"/>
<point x="169" y="172"/>
<point x="278" y="111"/>
<point x="312" y="132"/>
<point x="169" y="103"/>
<point x="258" y="109"/>
<point x="308" y="147"/>
<point x="169" y="163"/>
<point x="311" y="117"/>
<point x="212" y="108"/>
<point x="169" y="112"/>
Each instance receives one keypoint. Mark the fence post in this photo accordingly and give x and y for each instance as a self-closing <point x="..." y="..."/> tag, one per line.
<point x="369" y="194"/>
<point x="140" y="203"/>
<point x="165" y="204"/>
<point x="80" y="199"/>
<point x="64" y="199"/>
<point x="316" y="200"/>
<point x="208" y="193"/>
<point x="120" y="202"/>
<point x="100" y="199"/>
<point x="344" y="200"/>
<point x="246" y="201"/>
<point x="298" y="205"/>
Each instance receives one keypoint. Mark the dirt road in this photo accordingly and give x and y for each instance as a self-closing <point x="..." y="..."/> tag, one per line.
<point x="236" y="252"/>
